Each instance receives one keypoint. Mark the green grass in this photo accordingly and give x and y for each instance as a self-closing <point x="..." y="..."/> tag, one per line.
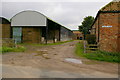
<point x="79" y="49"/>
<point x="98" y="55"/>
<point x="57" y="43"/>
<point x="21" y="48"/>
<point x="14" y="49"/>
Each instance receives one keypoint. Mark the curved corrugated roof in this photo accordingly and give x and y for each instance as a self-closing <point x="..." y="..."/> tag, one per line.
<point x="27" y="11"/>
<point x="41" y="14"/>
<point x="4" y="21"/>
<point x="28" y="18"/>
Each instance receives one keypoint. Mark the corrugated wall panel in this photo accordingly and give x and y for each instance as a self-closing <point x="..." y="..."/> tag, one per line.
<point x="65" y="34"/>
<point x="17" y="34"/>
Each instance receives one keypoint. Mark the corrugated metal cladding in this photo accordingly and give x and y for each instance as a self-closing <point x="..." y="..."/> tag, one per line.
<point x="65" y="34"/>
<point x="28" y="18"/>
<point x="17" y="34"/>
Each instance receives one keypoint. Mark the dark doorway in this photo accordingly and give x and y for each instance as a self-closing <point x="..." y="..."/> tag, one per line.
<point x="77" y="37"/>
<point x="80" y="38"/>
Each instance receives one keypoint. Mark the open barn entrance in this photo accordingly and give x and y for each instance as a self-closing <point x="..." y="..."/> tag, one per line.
<point x="53" y="34"/>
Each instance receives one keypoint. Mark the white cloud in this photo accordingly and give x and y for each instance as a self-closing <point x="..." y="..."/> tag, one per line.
<point x="69" y="14"/>
<point x="56" y="0"/>
<point x="0" y="9"/>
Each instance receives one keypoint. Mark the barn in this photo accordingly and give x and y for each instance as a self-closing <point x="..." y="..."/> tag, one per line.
<point x="5" y="27"/>
<point x="78" y="35"/>
<point x="34" y="27"/>
<point x="106" y="27"/>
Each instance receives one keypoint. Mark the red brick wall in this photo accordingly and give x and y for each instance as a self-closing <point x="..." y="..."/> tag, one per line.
<point x="95" y="29"/>
<point x="108" y="36"/>
<point x="96" y="25"/>
<point x="119" y="34"/>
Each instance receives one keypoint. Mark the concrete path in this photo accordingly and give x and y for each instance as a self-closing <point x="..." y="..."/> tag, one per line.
<point x="29" y="72"/>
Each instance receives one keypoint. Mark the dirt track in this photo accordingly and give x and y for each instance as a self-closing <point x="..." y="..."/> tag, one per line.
<point x="51" y="59"/>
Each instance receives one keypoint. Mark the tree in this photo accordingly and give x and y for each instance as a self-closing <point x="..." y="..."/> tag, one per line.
<point x="86" y="25"/>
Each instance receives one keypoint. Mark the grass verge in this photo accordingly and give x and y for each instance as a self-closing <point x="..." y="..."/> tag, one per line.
<point x="20" y="48"/>
<point x="14" y="49"/>
<point x="98" y="55"/>
<point x="57" y="43"/>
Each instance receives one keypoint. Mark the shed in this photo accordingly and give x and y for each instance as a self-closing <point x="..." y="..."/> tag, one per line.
<point x="78" y="35"/>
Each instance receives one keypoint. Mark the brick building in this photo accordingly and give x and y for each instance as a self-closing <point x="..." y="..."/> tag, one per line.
<point x="5" y="27"/>
<point x="34" y="27"/>
<point x="77" y="35"/>
<point x="106" y="27"/>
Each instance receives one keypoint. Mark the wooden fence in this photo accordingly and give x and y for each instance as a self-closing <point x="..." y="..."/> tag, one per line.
<point x="90" y="47"/>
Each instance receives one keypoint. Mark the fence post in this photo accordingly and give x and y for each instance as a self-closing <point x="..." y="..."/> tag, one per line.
<point x="84" y="46"/>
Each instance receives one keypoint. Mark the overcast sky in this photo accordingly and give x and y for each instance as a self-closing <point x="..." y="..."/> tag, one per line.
<point x="69" y="13"/>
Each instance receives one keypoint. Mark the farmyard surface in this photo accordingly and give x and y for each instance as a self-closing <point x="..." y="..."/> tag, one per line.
<point x="49" y="62"/>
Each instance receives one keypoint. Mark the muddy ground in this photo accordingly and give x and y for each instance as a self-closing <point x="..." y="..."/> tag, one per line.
<point x="50" y="60"/>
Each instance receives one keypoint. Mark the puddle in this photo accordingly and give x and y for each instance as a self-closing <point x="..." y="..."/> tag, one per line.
<point x="77" y="61"/>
